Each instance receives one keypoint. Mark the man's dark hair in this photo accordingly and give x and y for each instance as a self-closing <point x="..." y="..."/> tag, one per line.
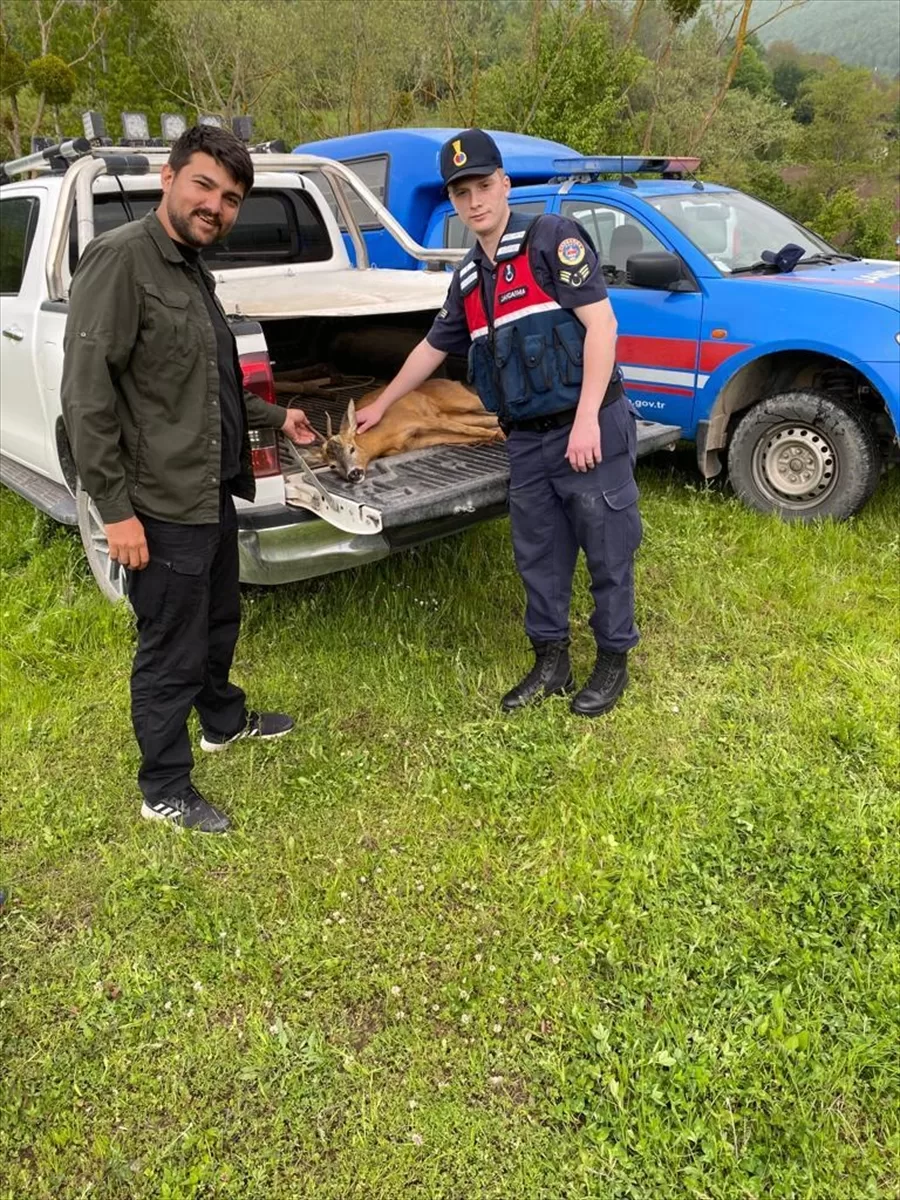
<point x="220" y="144"/>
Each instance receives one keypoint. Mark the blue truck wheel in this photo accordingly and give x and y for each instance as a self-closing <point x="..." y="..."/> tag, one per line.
<point x="804" y="456"/>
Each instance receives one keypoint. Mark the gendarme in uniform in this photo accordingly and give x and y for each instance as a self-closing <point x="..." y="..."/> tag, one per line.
<point x="515" y="320"/>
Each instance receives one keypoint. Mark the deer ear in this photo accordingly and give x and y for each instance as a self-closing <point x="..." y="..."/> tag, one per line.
<point x="328" y="429"/>
<point x="351" y="418"/>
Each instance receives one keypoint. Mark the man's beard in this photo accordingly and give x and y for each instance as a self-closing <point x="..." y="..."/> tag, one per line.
<point x="182" y="226"/>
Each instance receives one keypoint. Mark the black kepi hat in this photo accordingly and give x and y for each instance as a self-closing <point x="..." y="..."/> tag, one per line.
<point x="472" y="152"/>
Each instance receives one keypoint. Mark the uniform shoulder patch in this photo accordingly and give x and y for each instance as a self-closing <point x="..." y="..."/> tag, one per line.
<point x="575" y="278"/>
<point x="570" y="251"/>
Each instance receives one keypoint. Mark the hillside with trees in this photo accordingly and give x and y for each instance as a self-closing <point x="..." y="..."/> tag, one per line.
<point x="862" y="33"/>
<point x="804" y="130"/>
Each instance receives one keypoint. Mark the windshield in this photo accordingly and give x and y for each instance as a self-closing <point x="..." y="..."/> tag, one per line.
<point x="733" y="229"/>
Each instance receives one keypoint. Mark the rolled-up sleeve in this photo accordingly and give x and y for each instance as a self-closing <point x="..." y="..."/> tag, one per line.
<point x="103" y="323"/>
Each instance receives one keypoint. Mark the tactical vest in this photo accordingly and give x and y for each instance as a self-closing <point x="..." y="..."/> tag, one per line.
<point x="527" y="359"/>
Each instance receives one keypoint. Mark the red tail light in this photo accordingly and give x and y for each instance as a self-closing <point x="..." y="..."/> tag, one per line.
<point x="257" y="373"/>
<point x="258" y="378"/>
<point x="264" y="453"/>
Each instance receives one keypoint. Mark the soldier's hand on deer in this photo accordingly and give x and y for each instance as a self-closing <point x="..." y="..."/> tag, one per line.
<point x="583" y="450"/>
<point x="298" y="428"/>
<point x="369" y="416"/>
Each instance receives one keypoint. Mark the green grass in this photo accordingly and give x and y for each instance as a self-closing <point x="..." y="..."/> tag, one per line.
<point x="448" y="954"/>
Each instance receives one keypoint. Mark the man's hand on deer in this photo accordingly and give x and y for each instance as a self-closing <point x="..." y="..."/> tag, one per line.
<point x="583" y="450"/>
<point x="298" y="428"/>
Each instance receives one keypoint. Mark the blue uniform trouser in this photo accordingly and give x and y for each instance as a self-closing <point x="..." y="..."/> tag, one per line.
<point x="554" y="510"/>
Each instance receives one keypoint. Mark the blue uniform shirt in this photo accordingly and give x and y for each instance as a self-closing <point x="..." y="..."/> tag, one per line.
<point x="552" y="245"/>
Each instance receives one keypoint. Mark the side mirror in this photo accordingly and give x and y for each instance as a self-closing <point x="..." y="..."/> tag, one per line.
<point x="657" y="269"/>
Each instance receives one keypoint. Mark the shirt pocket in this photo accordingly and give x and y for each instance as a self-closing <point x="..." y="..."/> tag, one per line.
<point x="167" y="326"/>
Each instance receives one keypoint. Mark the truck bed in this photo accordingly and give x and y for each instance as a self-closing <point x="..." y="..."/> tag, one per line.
<point x="425" y="485"/>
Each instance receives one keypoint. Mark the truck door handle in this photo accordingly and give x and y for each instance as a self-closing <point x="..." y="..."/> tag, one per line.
<point x="14" y="333"/>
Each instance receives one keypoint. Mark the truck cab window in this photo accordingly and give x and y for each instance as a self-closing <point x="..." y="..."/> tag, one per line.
<point x="18" y="221"/>
<point x="374" y="174"/>
<point x="272" y="227"/>
<point x="616" y="236"/>
<point x="457" y="237"/>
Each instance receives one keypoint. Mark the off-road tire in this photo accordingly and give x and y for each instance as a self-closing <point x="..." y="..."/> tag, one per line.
<point x="804" y="455"/>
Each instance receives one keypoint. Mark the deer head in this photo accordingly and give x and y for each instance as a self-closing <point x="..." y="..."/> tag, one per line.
<point x="340" y="449"/>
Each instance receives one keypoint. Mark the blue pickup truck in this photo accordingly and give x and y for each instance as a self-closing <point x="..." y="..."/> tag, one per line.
<point x="783" y="367"/>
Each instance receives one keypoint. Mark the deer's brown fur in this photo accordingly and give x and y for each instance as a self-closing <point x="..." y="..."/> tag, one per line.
<point x="438" y="413"/>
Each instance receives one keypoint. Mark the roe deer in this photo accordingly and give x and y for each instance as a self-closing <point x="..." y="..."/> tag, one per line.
<point x="439" y="412"/>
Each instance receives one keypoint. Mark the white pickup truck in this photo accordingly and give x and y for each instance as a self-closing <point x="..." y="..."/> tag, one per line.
<point x="302" y="315"/>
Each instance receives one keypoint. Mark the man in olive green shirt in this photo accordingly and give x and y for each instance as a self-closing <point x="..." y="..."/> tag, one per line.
<point x="158" y="421"/>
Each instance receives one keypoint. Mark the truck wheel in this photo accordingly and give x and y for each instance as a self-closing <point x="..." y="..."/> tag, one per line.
<point x="109" y="575"/>
<point x="803" y="455"/>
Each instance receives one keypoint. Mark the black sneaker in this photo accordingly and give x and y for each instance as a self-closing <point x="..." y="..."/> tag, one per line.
<point x="187" y="810"/>
<point x="259" y="725"/>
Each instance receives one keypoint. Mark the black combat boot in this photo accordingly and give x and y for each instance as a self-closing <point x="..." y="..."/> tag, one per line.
<point x="608" y="681"/>
<point x="550" y="676"/>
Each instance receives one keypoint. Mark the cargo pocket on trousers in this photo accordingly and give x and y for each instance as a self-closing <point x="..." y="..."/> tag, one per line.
<point x="166" y="586"/>
<point x="623" y="521"/>
<point x="147" y="589"/>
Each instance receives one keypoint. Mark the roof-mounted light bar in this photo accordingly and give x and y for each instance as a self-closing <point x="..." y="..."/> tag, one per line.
<point x="626" y="164"/>
<point x="67" y="151"/>
<point x="173" y="126"/>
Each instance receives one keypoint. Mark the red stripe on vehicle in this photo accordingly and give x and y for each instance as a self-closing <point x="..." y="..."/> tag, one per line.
<point x="676" y="353"/>
<point x="713" y="354"/>
<point x="634" y="385"/>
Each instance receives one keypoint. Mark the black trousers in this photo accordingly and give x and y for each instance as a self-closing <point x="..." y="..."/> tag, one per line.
<point x="554" y="511"/>
<point x="188" y="608"/>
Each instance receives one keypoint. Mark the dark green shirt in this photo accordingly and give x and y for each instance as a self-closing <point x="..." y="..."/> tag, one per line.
<point x="231" y="401"/>
<point x="141" y="388"/>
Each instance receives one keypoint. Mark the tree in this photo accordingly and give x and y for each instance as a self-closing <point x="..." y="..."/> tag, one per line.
<point x="40" y="33"/>
<point x="847" y="138"/>
<point x="570" y="85"/>
<point x="863" y="227"/>
<point x="752" y="74"/>
<point x="741" y="28"/>
<point x="787" y="78"/>
<point x="13" y="78"/>
<point x="53" y="82"/>
<point x="679" y="12"/>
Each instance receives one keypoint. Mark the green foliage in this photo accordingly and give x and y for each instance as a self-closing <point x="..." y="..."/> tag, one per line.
<point x="449" y="954"/>
<point x="859" y="32"/>
<point x="52" y="78"/>
<point x="849" y="121"/>
<point x="787" y="78"/>
<point x="680" y="11"/>
<point x="863" y="227"/>
<point x="13" y="71"/>
<point x="572" y="90"/>
<point x="752" y="74"/>
<point x="748" y="129"/>
<point x="762" y="179"/>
